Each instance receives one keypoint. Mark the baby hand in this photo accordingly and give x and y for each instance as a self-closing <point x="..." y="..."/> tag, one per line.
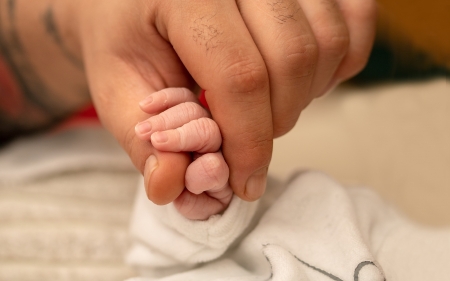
<point x="180" y="124"/>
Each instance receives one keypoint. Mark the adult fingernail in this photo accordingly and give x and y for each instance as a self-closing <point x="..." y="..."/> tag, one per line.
<point x="146" y="101"/>
<point x="151" y="165"/>
<point x="143" y="127"/>
<point x="256" y="184"/>
<point x="160" y="137"/>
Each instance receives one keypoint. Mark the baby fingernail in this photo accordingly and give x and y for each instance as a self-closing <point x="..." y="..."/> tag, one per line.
<point x="146" y="101"/>
<point x="143" y="127"/>
<point x="160" y="137"/>
<point x="256" y="184"/>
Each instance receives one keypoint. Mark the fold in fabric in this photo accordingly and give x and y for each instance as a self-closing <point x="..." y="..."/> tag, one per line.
<point x="315" y="230"/>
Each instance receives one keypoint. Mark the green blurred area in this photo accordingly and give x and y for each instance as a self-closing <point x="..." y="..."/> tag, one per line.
<point x="390" y="63"/>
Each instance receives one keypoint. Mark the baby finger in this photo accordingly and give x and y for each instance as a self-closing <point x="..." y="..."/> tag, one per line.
<point x="201" y="135"/>
<point x="172" y="118"/>
<point x="162" y="100"/>
<point x="208" y="173"/>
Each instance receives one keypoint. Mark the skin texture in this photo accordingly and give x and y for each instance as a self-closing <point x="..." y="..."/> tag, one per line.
<point x="46" y="84"/>
<point x="260" y="62"/>
<point x="179" y="124"/>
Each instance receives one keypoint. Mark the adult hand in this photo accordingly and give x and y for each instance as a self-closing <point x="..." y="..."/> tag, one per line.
<point x="260" y="62"/>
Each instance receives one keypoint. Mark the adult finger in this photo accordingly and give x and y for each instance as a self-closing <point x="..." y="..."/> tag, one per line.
<point x="209" y="172"/>
<point x="360" y="17"/>
<point x="166" y="98"/>
<point x="283" y="35"/>
<point x="172" y="118"/>
<point x="116" y="92"/>
<point x="201" y="135"/>
<point x="216" y="47"/>
<point x="332" y="37"/>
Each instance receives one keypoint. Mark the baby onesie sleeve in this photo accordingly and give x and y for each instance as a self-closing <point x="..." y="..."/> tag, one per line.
<point x="163" y="242"/>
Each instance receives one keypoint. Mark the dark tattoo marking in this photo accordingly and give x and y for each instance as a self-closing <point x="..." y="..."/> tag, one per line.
<point x="283" y="11"/>
<point x="205" y="34"/>
<point x="52" y="30"/>
<point x="36" y="96"/>
<point x="11" y="8"/>
<point x="358" y="268"/>
<point x="32" y="87"/>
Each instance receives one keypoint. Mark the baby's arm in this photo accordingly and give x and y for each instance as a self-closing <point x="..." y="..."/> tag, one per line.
<point x="180" y="124"/>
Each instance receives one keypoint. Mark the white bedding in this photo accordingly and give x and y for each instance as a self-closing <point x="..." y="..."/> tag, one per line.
<point x="315" y="230"/>
<point x="66" y="198"/>
<point x="65" y="201"/>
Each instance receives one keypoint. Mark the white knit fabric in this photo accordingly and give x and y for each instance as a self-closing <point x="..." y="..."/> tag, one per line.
<point x="65" y="202"/>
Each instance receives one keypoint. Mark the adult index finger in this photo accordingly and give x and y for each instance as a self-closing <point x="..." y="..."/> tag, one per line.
<point x="116" y="89"/>
<point x="117" y="105"/>
<point x="216" y="47"/>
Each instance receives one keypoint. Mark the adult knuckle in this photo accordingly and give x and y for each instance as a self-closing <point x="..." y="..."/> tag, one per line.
<point x="260" y="144"/>
<point x="300" y="55"/>
<point x="257" y="153"/>
<point x="334" y="41"/>
<point x="245" y="76"/>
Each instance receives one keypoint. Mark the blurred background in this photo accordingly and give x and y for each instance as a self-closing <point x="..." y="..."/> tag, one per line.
<point x="389" y="127"/>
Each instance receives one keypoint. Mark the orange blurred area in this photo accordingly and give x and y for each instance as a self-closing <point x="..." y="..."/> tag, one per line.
<point x="425" y="24"/>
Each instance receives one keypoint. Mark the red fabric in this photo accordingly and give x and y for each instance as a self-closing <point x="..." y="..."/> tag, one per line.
<point x="13" y="103"/>
<point x="87" y="112"/>
<point x="202" y="99"/>
<point x="11" y="100"/>
<point x="85" y="117"/>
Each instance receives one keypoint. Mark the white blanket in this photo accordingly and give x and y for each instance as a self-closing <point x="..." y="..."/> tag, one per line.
<point x="314" y="230"/>
<point x="65" y="202"/>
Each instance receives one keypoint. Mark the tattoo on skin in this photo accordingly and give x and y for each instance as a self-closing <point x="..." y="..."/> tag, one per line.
<point x="32" y="106"/>
<point x="52" y="30"/>
<point x="31" y="85"/>
<point x="283" y="11"/>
